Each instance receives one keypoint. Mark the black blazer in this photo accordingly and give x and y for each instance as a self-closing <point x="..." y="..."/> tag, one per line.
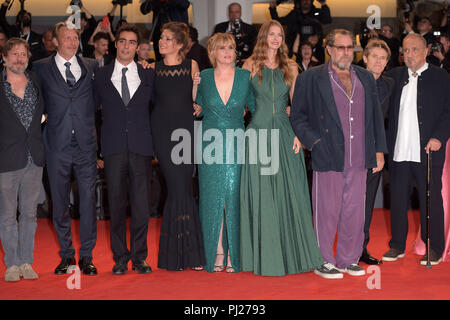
<point x="125" y="128"/>
<point x="385" y="101"/>
<point x="68" y="108"/>
<point x="14" y="139"/>
<point x="314" y="116"/>
<point x="433" y="109"/>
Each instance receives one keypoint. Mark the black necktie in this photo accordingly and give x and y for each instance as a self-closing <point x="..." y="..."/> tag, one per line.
<point x="125" y="91"/>
<point x="69" y="75"/>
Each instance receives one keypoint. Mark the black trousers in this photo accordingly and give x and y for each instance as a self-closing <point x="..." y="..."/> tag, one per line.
<point x="402" y="177"/>
<point x="372" y="182"/>
<point x="59" y="168"/>
<point x="128" y="177"/>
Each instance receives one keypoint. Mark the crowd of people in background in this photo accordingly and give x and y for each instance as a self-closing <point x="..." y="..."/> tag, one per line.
<point x="337" y="122"/>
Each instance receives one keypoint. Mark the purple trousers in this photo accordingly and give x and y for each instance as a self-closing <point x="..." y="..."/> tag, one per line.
<point x="338" y="206"/>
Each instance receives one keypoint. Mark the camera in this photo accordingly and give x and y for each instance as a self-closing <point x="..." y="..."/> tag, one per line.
<point x="77" y="3"/>
<point x="237" y="29"/>
<point x="407" y="8"/>
<point x="307" y="30"/>
<point x="437" y="45"/>
<point x="242" y="48"/>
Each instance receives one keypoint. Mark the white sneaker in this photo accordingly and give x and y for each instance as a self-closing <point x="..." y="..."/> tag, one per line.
<point x="353" y="270"/>
<point x="12" y="274"/>
<point x="27" y="272"/>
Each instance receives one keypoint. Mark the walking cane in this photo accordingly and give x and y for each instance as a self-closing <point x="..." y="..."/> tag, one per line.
<point x="428" y="207"/>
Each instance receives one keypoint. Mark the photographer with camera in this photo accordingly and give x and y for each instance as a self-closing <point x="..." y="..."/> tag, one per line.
<point x="22" y="28"/>
<point x="305" y="19"/>
<point x="440" y="50"/>
<point x="244" y="34"/>
<point x="164" y="11"/>
<point x="87" y="27"/>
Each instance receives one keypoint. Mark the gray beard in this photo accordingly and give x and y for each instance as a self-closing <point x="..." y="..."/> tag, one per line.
<point x="16" y="70"/>
<point x="342" y="66"/>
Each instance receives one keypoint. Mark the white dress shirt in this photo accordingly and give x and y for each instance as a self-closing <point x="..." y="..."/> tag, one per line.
<point x="407" y="144"/>
<point x="132" y="75"/>
<point x="74" y="66"/>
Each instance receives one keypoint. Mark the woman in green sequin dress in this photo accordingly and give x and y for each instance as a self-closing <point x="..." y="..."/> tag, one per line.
<point x="277" y="235"/>
<point x="223" y="93"/>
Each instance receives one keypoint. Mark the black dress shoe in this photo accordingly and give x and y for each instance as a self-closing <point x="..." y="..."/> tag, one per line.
<point x="64" y="265"/>
<point x="87" y="267"/>
<point x="368" y="259"/>
<point x="142" y="267"/>
<point x="120" y="268"/>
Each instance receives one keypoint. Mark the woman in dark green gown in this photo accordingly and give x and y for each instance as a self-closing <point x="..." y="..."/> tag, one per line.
<point x="277" y="235"/>
<point x="223" y="93"/>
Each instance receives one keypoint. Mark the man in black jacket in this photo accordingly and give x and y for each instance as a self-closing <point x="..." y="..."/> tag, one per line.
<point x="71" y="143"/>
<point x="21" y="159"/>
<point x="305" y="19"/>
<point x="376" y="56"/>
<point x="336" y="114"/>
<point x="244" y="33"/>
<point x="419" y="117"/>
<point x="125" y="90"/>
<point x="22" y="28"/>
<point x="47" y="47"/>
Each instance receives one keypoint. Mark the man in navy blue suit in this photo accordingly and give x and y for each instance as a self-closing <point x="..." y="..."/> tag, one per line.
<point x="70" y="142"/>
<point x="125" y="90"/>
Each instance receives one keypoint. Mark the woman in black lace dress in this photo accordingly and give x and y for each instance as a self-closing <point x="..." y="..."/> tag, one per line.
<point x="181" y="243"/>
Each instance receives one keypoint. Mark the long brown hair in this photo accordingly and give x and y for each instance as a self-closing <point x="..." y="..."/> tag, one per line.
<point x="259" y="55"/>
<point x="180" y="32"/>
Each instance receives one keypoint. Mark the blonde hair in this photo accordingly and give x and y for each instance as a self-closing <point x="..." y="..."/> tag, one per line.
<point x="259" y="55"/>
<point x="57" y="29"/>
<point x="217" y="40"/>
<point x="377" y="43"/>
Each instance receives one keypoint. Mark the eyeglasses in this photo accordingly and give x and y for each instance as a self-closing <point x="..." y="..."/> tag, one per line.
<point x="344" y="48"/>
<point x="386" y="31"/>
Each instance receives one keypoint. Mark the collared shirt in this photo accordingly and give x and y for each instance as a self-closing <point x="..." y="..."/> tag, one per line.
<point x="407" y="143"/>
<point x="352" y="116"/>
<point x="24" y="108"/>
<point x="74" y="66"/>
<point x="132" y="75"/>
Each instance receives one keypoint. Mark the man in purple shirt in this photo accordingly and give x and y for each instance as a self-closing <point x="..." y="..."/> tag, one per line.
<point x="336" y="114"/>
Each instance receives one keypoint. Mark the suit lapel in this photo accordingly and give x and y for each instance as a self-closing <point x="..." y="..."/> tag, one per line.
<point x="326" y="92"/>
<point x="84" y="70"/>
<point x="398" y="94"/>
<point x="140" y="70"/>
<point x="37" y="111"/>
<point x="367" y="95"/>
<point x="57" y="74"/>
<point x="108" y="74"/>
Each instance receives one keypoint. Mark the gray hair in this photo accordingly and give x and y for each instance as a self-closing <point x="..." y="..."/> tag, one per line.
<point x="331" y="37"/>
<point x="416" y="36"/>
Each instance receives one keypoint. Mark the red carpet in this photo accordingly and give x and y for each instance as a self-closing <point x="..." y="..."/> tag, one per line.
<point x="404" y="279"/>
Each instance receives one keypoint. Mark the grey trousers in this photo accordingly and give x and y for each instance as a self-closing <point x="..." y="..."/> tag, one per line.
<point x="20" y="189"/>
